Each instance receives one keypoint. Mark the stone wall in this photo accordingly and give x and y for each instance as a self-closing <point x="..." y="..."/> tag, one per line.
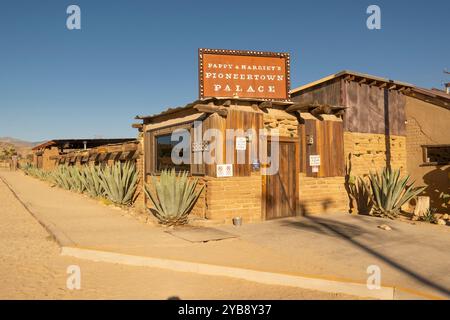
<point x="322" y="195"/>
<point x="368" y="152"/>
<point x="285" y="123"/>
<point x="235" y="196"/>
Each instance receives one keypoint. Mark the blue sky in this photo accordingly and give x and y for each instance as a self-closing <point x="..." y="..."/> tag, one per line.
<point x="140" y="57"/>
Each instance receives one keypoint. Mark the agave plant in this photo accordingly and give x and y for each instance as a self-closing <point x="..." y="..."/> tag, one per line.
<point x="119" y="182"/>
<point x="173" y="196"/>
<point x="390" y="192"/>
<point x="76" y="180"/>
<point x="36" y="172"/>
<point x="92" y="181"/>
<point x="360" y="191"/>
<point x="61" y="177"/>
<point x="429" y="216"/>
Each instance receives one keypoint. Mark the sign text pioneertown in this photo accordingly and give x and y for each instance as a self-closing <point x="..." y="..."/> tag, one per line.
<point x="244" y="74"/>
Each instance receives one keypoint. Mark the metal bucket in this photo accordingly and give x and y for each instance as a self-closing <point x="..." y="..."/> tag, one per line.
<point x="237" y="221"/>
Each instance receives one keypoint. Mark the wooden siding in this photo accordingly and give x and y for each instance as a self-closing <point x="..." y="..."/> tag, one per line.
<point x="236" y="120"/>
<point x="374" y="110"/>
<point x="243" y="120"/>
<point x="367" y="105"/>
<point x="326" y="93"/>
<point x="328" y="143"/>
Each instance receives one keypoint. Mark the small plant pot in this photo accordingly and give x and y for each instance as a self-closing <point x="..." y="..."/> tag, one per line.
<point x="237" y="221"/>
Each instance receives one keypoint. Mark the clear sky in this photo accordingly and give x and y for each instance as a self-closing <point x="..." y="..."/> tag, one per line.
<point x="140" y="57"/>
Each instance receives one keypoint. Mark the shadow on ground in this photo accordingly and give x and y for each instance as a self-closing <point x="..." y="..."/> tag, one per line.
<point x="348" y="232"/>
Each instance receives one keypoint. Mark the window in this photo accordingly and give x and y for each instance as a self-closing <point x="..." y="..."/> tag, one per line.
<point x="437" y="154"/>
<point x="164" y="147"/>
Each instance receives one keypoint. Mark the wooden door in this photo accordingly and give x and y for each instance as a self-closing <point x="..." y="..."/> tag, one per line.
<point x="281" y="188"/>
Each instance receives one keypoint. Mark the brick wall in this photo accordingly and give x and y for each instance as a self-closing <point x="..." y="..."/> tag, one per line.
<point x="199" y="209"/>
<point x="322" y="195"/>
<point x="235" y="196"/>
<point x="368" y="152"/>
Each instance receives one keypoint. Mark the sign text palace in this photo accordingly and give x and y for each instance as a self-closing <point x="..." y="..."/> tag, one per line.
<point x="262" y="75"/>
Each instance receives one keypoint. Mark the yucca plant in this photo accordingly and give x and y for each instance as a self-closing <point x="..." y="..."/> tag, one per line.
<point x="390" y="192"/>
<point x="119" y="182"/>
<point x="173" y="196"/>
<point x="91" y="181"/>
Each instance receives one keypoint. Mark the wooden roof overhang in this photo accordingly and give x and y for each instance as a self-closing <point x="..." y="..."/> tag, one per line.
<point x="80" y="143"/>
<point x="208" y="105"/>
<point x="360" y="78"/>
<point x="119" y="151"/>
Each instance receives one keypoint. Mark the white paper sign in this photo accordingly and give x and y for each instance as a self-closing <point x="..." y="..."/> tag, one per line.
<point x="314" y="160"/>
<point x="315" y="169"/>
<point x="224" y="170"/>
<point x="241" y="143"/>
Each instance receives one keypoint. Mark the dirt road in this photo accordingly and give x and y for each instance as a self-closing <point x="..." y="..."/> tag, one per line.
<point x="31" y="268"/>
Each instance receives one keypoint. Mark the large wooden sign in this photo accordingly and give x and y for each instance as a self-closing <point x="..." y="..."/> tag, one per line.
<point x="244" y="74"/>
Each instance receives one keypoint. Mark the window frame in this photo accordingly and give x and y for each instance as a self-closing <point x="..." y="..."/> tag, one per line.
<point x="151" y="147"/>
<point x="425" y="155"/>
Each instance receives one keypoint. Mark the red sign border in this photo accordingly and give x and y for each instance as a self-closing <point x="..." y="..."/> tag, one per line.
<point x="285" y="55"/>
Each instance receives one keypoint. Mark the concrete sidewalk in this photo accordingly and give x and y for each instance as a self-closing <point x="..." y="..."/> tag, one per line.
<point x="327" y="247"/>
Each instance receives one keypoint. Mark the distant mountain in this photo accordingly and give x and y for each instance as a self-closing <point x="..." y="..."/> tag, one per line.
<point x="18" y="142"/>
<point x="21" y="146"/>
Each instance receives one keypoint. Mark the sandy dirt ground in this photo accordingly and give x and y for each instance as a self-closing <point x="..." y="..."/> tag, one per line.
<point x="31" y="268"/>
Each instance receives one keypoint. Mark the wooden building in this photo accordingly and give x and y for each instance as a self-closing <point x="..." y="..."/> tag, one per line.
<point x="346" y="118"/>
<point x="49" y="154"/>
<point x="389" y="124"/>
<point x="248" y="193"/>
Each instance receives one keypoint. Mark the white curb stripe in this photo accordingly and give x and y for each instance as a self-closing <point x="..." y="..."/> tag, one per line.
<point x="270" y="278"/>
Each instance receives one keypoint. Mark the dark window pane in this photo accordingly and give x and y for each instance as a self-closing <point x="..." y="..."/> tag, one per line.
<point x="164" y="147"/>
<point x="439" y="154"/>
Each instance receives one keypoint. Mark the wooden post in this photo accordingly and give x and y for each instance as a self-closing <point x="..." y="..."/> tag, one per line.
<point x="422" y="206"/>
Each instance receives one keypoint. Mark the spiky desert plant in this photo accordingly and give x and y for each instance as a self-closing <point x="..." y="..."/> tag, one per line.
<point x="390" y="192"/>
<point x="36" y="172"/>
<point x="173" y="196"/>
<point x="26" y="168"/>
<point x="429" y="216"/>
<point x="76" y="179"/>
<point x="360" y="191"/>
<point x="119" y="182"/>
<point x="61" y="177"/>
<point x="91" y="180"/>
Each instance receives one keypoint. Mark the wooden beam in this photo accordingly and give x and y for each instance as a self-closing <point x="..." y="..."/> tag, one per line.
<point x="210" y="108"/>
<point x="363" y="80"/>
<point x="265" y="104"/>
<point x="392" y="87"/>
<point x="373" y="83"/>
